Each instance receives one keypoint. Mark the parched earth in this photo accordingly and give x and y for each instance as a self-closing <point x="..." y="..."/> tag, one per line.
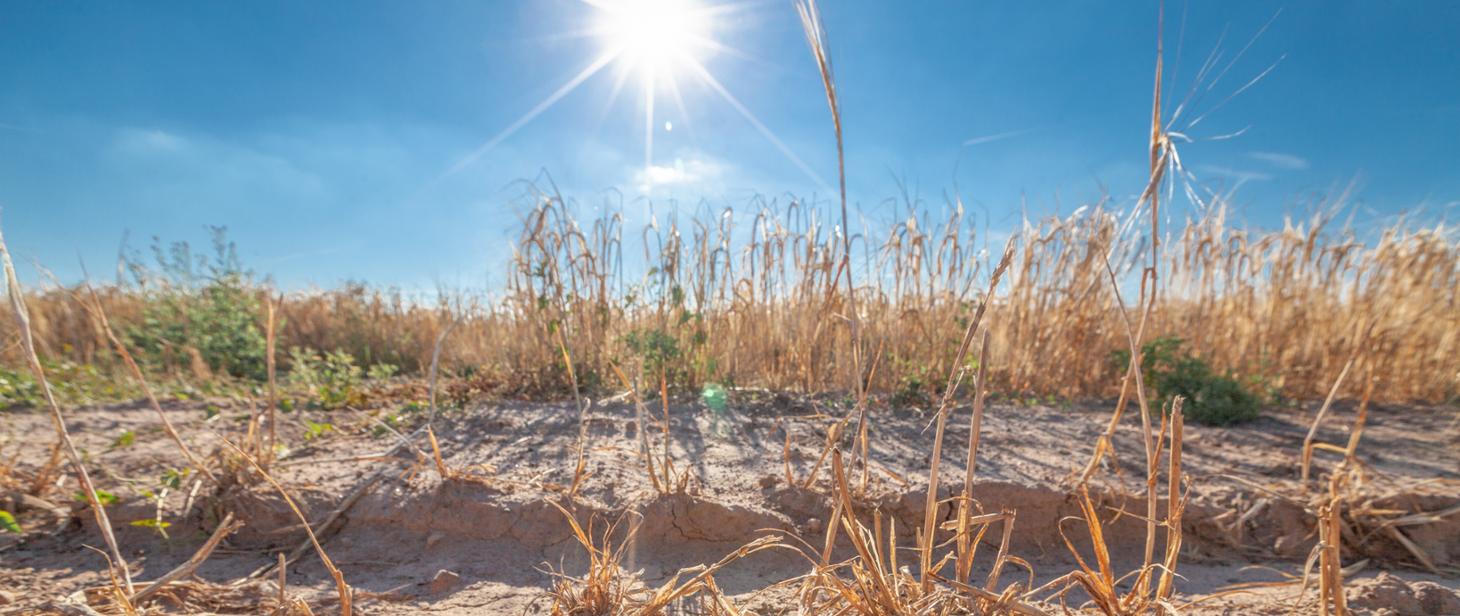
<point x="487" y="537"/>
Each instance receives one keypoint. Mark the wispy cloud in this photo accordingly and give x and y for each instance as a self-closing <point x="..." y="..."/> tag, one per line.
<point x="694" y="171"/>
<point x="982" y="139"/>
<point x="1240" y="176"/>
<point x="170" y="169"/>
<point x="148" y="140"/>
<point x="1288" y="162"/>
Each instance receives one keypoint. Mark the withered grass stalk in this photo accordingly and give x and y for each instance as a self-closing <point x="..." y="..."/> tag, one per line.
<point x="27" y="342"/>
<point x="343" y="589"/>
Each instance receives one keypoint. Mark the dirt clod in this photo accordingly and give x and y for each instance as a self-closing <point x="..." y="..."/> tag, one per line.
<point x="443" y="581"/>
<point x="1387" y="593"/>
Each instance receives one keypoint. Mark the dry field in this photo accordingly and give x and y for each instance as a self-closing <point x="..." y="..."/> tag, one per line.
<point x="488" y="513"/>
<point x="771" y="409"/>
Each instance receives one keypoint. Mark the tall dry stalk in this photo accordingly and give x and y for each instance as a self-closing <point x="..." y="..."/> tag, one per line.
<point x="270" y="367"/>
<point x="955" y="378"/>
<point x="27" y="342"/>
<point x="968" y="544"/>
<point x="435" y="368"/>
<point x="821" y="52"/>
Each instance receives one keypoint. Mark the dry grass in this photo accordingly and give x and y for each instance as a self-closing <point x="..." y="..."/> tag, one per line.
<point x="763" y="308"/>
<point x="608" y="588"/>
<point x="873" y="582"/>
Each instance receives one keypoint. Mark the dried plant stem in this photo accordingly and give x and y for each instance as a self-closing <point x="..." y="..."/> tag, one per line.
<point x="1175" y="504"/>
<point x="1357" y="431"/>
<point x="582" y="404"/>
<point x="1152" y="454"/>
<point x="340" y="586"/>
<point x="436" y="364"/>
<point x="639" y="415"/>
<point x="99" y="312"/>
<point x="955" y="377"/>
<point x="283" y="567"/>
<point x="270" y="337"/>
<point x="930" y="505"/>
<point x="1307" y="459"/>
<point x="1105" y="442"/>
<point x="821" y="53"/>
<point x="27" y="340"/>
<point x="1330" y="561"/>
<point x="975" y="421"/>
<point x="224" y="529"/>
<point x="664" y="404"/>
<point x="968" y="545"/>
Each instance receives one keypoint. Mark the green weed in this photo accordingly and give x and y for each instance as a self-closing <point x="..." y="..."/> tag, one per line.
<point x="202" y="304"/>
<point x="1211" y="398"/>
<point x="334" y="380"/>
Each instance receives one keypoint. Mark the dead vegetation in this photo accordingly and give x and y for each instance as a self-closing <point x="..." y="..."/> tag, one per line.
<point x="781" y="310"/>
<point x="759" y="304"/>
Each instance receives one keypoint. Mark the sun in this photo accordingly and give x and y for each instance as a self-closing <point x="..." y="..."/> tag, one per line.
<point x="657" y="43"/>
<point x="653" y="37"/>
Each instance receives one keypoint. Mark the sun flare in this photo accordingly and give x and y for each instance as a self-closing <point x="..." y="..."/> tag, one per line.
<point x="653" y="36"/>
<point x="657" y="44"/>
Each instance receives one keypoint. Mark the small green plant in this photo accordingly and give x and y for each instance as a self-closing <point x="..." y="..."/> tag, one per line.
<point x="912" y="385"/>
<point x="334" y="379"/>
<point x="716" y="397"/>
<point x="18" y="388"/>
<point x="655" y="348"/>
<point x="314" y="430"/>
<point x="1211" y="398"/>
<point x="381" y="371"/>
<point x="102" y="496"/>
<point x="71" y="382"/>
<point x="124" y="440"/>
<point x="7" y="522"/>
<point x="173" y="478"/>
<point x="160" y="526"/>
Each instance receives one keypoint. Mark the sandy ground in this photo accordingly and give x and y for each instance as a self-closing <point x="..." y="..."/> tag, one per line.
<point x="493" y="527"/>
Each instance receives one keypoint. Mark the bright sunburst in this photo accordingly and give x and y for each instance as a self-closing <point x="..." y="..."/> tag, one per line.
<point x="653" y="37"/>
<point x="653" y="42"/>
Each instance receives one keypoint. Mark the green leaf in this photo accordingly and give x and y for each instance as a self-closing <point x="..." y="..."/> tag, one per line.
<point x="316" y="430"/>
<point x="7" y="522"/>
<point x="715" y="397"/>
<point x="173" y="478"/>
<point x="160" y="526"/>
<point x="102" y="496"/>
<point x="125" y="440"/>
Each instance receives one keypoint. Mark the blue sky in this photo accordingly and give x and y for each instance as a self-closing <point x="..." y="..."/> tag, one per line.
<point x="334" y="139"/>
